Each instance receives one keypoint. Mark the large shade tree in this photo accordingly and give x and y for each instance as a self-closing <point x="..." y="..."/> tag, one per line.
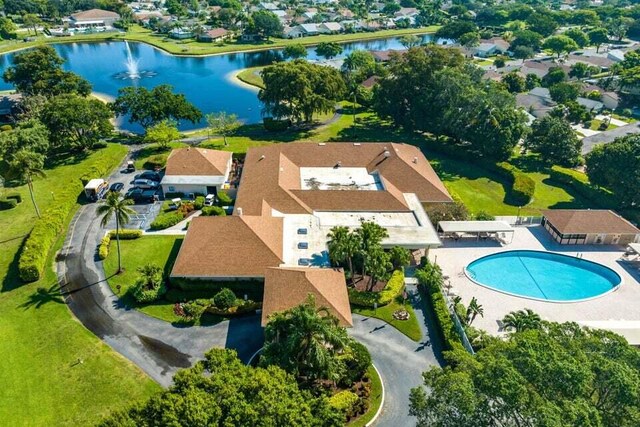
<point x="557" y="375"/>
<point x="298" y="90"/>
<point x="148" y="107"/>
<point x="38" y="71"/>
<point x="555" y="141"/>
<point x="222" y="391"/>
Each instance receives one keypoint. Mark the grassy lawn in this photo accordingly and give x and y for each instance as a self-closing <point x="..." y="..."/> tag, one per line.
<point x="376" y="399"/>
<point x="159" y="250"/>
<point x="595" y="125"/>
<point x="410" y="328"/>
<point x="41" y="342"/>
<point x="251" y="76"/>
<point x="192" y="47"/>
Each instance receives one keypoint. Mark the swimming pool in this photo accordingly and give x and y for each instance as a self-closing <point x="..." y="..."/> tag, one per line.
<point x="543" y="276"/>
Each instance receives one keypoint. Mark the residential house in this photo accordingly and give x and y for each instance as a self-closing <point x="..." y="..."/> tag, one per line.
<point x="616" y="55"/>
<point x="490" y="47"/>
<point x="541" y="67"/>
<point x="214" y="35"/>
<point x="180" y="33"/>
<point x="196" y="170"/>
<point x="93" y="18"/>
<point x="609" y="136"/>
<point x="301" y="30"/>
<point x="329" y="28"/>
<point x="385" y="55"/>
<point x="589" y="104"/>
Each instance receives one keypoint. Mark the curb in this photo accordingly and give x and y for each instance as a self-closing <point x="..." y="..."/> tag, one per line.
<point x="375" y="417"/>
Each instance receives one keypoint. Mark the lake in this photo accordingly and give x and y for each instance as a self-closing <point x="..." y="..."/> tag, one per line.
<point x="206" y="81"/>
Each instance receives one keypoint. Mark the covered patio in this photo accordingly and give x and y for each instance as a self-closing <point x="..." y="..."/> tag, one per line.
<point x="479" y="229"/>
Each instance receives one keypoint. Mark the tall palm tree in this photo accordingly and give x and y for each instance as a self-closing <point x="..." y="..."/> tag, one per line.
<point x="115" y="206"/>
<point x="521" y="320"/>
<point x="25" y="166"/>
<point x="343" y="246"/>
<point x="473" y="310"/>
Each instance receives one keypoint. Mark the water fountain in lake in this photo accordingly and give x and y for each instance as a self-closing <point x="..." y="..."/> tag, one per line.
<point x="133" y="70"/>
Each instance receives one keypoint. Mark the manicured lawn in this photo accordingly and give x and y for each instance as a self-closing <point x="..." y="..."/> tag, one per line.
<point x="410" y="328"/>
<point x="41" y="342"/>
<point x="376" y="399"/>
<point x="191" y="47"/>
<point x="251" y="76"/>
<point x="159" y="250"/>
<point x="595" y="125"/>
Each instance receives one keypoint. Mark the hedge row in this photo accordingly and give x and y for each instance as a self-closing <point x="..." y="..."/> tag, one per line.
<point x="430" y="283"/>
<point x="580" y="184"/>
<point x="42" y="237"/>
<point x="243" y="308"/>
<point x="391" y="291"/>
<point x="166" y="220"/>
<point x="522" y="186"/>
<point x="254" y="289"/>
<point x="103" y="249"/>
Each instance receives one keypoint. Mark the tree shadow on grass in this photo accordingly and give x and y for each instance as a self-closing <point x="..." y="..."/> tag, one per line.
<point x="44" y="296"/>
<point x="257" y="132"/>
<point x="12" y="280"/>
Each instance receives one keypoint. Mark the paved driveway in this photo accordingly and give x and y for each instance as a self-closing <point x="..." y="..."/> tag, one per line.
<point x="399" y="360"/>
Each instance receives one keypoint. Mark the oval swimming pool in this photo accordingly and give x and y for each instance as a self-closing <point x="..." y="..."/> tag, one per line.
<point x="543" y="276"/>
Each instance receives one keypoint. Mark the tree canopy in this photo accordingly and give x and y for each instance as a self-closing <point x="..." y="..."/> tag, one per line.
<point x="221" y="390"/>
<point x="298" y="89"/>
<point x="555" y="141"/>
<point x="328" y="49"/>
<point x="148" y="107"/>
<point x="266" y="23"/>
<point x="38" y="71"/>
<point x="556" y="375"/>
<point x="616" y="166"/>
<point x="435" y="90"/>
<point x="560" y="44"/>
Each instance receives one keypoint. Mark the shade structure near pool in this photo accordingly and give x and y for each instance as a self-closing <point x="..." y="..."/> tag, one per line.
<point x="543" y="275"/>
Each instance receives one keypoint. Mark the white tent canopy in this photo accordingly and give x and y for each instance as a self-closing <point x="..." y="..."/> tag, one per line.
<point x="635" y="247"/>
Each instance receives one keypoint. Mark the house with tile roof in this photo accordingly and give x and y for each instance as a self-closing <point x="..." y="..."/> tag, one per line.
<point x="289" y="198"/>
<point x="93" y="18"/>
<point x="589" y="226"/>
<point x="196" y="170"/>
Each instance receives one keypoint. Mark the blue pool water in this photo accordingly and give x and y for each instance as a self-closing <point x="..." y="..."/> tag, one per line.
<point x="543" y="275"/>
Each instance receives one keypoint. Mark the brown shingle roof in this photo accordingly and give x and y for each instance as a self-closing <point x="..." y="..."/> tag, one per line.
<point x="94" y="14"/>
<point x="230" y="246"/>
<point x="587" y="221"/>
<point x="198" y="161"/>
<point x="286" y="287"/>
<point x="272" y="175"/>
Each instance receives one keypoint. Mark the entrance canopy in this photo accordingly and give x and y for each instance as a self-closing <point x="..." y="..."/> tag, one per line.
<point x="478" y="228"/>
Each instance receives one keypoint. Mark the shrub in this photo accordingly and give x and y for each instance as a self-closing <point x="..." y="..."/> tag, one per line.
<point x="166" y="220"/>
<point x="225" y="299"/>
<point x="484" y="216"/>
<point x="243" y="308"/>
<point x="15" y="196"/>
<point x="173" y="195"/>
<point x="579" y="183"/>
<point x="99" y="145"/>
<point x="213" y="211"/>
<point x="522" y="186"/>
<point x="5" y="128"/>
<point x="357" y="361"/>
<point x="254" y="289"/>
<point x="193" y="310"/>
<point x="7" y="204"/>
<point x="224" y="199"/>
<point x="344" y="401"/>
<point x="391" y="291"/>
<point x="430" y="282"/>
<point x="150" y="285"/>
<point x="198" y="203"/>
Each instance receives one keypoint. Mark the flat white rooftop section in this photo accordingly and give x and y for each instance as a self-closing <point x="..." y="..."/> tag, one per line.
<point x="353" y="219"/>
<point x="309" y="245"/>
<point x="474" y="227"/>
<point x="339" y="178"/>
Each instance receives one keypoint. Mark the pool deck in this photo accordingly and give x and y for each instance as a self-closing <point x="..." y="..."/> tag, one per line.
<point x="617" y="311"/>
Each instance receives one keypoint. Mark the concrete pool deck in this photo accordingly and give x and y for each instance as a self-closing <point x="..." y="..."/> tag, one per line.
<point x="617" y="311"/>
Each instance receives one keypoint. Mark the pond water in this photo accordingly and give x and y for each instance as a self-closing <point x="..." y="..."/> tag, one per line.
<point x="206" y="81"/>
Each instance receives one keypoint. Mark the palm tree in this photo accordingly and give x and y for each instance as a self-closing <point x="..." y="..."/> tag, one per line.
<point x="521" y="320"/>
<point x="26" y="165"/>
<point x="473" y="310"/>
<point x="343" y="246"/>
<point x="116" y="206"/>
<point x="305" y="341"/>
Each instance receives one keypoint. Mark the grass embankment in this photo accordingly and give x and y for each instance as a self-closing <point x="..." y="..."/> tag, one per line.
<point x="40" y="341"/>
<point x="158" y="250"/>
<point x="251" y="76"/>
<point x="376" y="399"/>
<point x="194" y="48"/>
<point x="410" y="328"/>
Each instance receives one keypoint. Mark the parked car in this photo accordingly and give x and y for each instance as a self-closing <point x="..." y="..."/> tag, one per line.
<point x="145" y="184"/>
<point x="116" y="187"/>
<point x="150" y="175"/>
<point x="139" y="195"/>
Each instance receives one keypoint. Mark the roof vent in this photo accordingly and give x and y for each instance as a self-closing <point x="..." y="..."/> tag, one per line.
<point x="322" y="144"/>
<point x="239" y="211"/>
<point x="357" y="144"/>
<point x="339" y="164"/>
<point x="262" y="157"/>
<point x="415" y="160"/>
<point x="387" y="153"/>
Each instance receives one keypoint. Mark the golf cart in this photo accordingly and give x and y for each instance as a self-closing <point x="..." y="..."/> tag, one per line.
<point x="209" y="200"/>
<point x="131" y="167"/>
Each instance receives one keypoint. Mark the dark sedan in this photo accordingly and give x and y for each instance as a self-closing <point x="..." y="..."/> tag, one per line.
<point x="150" y="175"/>
<point x="116" y="187"/>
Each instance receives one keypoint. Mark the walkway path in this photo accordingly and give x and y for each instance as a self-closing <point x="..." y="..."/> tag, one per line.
<point x="399" y="360"/>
